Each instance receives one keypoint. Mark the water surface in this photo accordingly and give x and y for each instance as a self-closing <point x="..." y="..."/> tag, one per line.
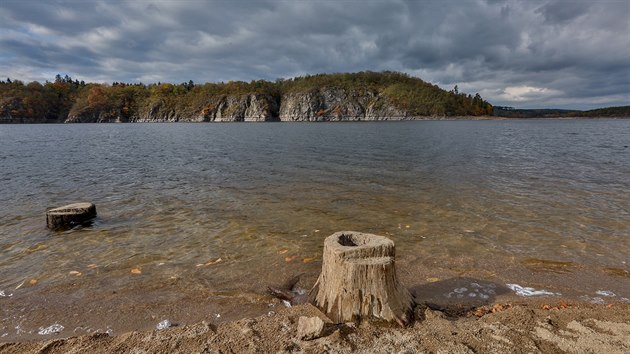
<point x="222" y="209"/>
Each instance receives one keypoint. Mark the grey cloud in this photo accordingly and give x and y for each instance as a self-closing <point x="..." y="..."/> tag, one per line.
<point x="560" y="12"/>
<point x="569" y="52"/>
<point x="58" y="16"/>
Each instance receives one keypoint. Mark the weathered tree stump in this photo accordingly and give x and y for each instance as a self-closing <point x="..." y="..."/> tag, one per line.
<point x="70" y="215"/>
<point x="358" y="280"/>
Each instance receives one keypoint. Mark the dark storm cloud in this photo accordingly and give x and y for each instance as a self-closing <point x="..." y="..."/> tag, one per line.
<point x="520" y="53"/>
<point x="559" y="12"/>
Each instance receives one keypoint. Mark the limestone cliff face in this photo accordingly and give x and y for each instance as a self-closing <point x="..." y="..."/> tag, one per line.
<point x="326" y="104"/>
<point x="95" y="115"/>
<point x="337" y="105"/>
<point x="243" y="108"/>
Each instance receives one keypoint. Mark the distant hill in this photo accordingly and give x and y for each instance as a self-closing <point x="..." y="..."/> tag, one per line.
<point x="621" y="112"/>
<point x="323" y="97"/>
<point x="509" y="112"/>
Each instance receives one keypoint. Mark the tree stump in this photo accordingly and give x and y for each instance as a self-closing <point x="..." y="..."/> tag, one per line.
<point x="70" y="215"/>
<point x="358" y="280"/>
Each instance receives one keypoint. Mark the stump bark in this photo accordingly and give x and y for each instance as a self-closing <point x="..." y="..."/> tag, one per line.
<point x="70" y="215"/>
<point x="358" y="280"/>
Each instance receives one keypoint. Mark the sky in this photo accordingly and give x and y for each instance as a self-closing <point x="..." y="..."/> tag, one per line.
<point x="525" y="54"/>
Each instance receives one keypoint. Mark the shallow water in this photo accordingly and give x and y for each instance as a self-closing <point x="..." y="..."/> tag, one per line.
<point x="229" y="207"/>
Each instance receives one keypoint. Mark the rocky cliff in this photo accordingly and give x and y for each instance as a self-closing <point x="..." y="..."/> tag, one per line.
<point x="223" y="108"/>
<point x="325" y="97"/>
<point x="333" y="104"/>
<point x="315" y="105"/>
<point x="243" y="108"/>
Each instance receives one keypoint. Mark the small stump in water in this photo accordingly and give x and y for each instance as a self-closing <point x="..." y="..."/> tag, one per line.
<point x="70" y="215"/>
<point x="358" y="280"/>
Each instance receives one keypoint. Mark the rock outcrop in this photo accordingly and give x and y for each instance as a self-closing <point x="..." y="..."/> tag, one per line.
<point x="330" y="104"/>
<point x="244" y="108"/>
<point x="222" y="108"/>
<point x="325" y="104"/>
<point x="95" y="115"/>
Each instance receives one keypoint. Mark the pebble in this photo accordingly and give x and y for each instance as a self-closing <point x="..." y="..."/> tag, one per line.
<point x="526" y="291"/>
<point x="593" y="300"/>
<point x="55" y="328"/>
<point x="164" y="324"/>
<point x="310" y="327"/>
<point x="605" y="293"/>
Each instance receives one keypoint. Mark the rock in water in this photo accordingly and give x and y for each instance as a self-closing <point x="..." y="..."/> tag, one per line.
<point x="70" y="215"/>
<point x="310" y="328"/>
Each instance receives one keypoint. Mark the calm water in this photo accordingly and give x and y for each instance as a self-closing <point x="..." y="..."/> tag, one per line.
<point x="261" y="197"/>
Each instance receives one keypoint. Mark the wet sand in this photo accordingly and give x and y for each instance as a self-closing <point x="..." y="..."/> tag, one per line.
<point x="525" y="327"/>
<point x="457" y="290"/>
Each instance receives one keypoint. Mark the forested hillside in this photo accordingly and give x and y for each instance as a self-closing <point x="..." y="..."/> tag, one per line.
<point x="355" y="96"/>
<point x="611" y="112"/>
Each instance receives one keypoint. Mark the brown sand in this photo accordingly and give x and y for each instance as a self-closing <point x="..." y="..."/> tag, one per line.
<point x="525" y="327"/>
<point x="452" y="324"/>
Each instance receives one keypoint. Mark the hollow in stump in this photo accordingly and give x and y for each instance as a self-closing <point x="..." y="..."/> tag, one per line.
<point x="70" y="215"/>
<point x="358" y="280"/>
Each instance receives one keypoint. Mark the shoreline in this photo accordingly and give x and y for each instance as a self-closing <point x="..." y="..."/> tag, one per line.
<point x="454" y="286"/>
<point x="351" y="120"/>
<point x="532" y="326"/>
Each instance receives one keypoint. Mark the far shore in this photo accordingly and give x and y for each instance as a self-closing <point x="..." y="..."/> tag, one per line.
<point x="349" y="120"/>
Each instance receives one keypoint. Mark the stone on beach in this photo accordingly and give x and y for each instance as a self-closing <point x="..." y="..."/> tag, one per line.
<point x="70" y="215"/>
<point x="310" y="327"/>
<point x="164" y="325"/>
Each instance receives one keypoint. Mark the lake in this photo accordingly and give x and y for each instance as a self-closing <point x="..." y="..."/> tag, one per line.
<point x="210" y="214"/>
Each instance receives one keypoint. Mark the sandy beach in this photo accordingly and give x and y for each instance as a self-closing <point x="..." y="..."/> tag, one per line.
<point x="525" y="327"/>
<point x="461" y="308"/>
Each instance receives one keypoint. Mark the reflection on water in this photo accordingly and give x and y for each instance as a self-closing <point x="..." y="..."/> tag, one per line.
<point x="551" y="194"/>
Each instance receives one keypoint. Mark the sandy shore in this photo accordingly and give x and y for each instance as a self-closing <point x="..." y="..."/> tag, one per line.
<point x="582" y="311"/>
<point x="529" y="327"/>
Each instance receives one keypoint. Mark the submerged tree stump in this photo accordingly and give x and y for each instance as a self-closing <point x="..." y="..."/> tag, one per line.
<point x="70" y="215"/>
<point x="358" y="280"/>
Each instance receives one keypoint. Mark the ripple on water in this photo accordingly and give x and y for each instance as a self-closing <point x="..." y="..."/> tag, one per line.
<point x="515" y="192"/>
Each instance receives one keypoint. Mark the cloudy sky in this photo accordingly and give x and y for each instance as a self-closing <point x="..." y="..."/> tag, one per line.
<point x="533" y="53"/>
